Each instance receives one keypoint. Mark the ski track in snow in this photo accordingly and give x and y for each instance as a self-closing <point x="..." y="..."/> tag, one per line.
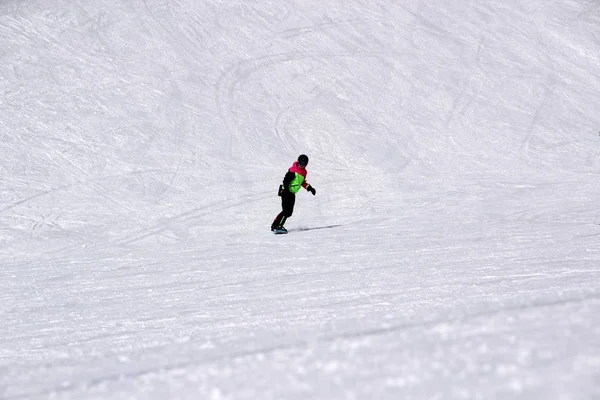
<point x="450" y="252"/>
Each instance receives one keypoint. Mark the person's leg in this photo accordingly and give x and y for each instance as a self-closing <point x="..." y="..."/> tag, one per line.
<point x="287" y="204"/>
<point x="277" y="222"/>
<point x="287" y="209"/>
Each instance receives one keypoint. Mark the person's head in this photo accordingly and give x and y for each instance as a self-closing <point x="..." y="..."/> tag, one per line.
<point x="303" y="160"/>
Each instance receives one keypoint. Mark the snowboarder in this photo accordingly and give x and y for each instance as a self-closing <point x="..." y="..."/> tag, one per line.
<point x="293" y="180"/>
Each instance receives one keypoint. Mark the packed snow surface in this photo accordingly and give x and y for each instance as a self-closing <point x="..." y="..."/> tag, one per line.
<point x="451" y="251"/>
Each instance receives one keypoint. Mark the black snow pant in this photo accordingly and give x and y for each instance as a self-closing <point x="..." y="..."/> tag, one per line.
<point x="287" y="209"/>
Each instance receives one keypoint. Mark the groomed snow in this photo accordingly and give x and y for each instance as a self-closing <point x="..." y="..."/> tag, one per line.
<point x="451" y="251"/>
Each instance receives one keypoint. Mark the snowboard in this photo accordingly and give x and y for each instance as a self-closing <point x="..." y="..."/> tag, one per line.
<point x="279" y="232"/>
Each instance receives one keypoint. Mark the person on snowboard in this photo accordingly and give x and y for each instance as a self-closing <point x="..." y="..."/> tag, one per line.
<point x="292" y="181"/>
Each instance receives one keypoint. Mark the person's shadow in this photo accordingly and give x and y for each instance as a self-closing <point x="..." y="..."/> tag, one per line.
<point x="314" y="228"/>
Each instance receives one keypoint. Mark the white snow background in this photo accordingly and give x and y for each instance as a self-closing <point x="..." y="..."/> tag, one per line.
<point x="451" y="250"/>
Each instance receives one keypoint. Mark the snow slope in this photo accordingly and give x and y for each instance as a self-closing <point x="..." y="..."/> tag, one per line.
<point x="451" y="251"/>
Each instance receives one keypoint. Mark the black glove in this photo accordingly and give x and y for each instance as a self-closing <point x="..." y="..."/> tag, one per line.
<point x="281" y="190"/>
<point x="311" y="189"/>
